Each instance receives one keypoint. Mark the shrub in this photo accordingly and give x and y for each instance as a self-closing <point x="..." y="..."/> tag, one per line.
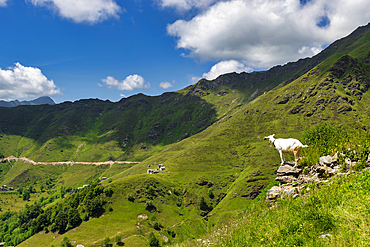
<point x="106" y="240"/>
<point x="130" y="197"/>
<point x="66" y="242"/>
<point x="153" y="241"/>
<point x="210" y="194"/>
<point x="149" y="205"/>
<point x="118" y="238"/>
<point x="157" y="226"/>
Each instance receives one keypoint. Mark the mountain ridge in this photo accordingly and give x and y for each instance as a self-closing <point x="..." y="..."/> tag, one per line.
<point x="44" y="100"/>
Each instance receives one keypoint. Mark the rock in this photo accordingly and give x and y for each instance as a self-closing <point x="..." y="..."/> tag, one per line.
<point x="222" y="93"/>
<point x="202" y="182"/>
<point x="324" y="170"/>
<point x="283" y="101"/>
<point x="368" y="159"/>
<point x="289" y="191"/>
<point x="344" y="108"/>
<point x="305" y="179"/>
<point x="324" y="236"/>
<point x="273" y="193"/>
<point x="257" y="173"/>
<point x="288" y="170"/>
<point x="152" y="136"/>
<point x="349" y="163"/>
<point x="142" y="217"/>
<point x="152" y="171"/>
<point x="285" y="179"/>
<point x="296" y="109"/>
<point x="328" y="160"/>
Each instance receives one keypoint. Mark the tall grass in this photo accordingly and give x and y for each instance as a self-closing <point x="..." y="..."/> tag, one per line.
<point x="349" y="143"/>
<point x="335" y="215"/>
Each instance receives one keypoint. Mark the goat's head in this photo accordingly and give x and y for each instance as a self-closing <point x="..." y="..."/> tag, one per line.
<point x="270" y="138"/>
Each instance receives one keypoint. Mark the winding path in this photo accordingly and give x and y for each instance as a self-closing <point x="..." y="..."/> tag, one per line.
<point x="70" y="163"/>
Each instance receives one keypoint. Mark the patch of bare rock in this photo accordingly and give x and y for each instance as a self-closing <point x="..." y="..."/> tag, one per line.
<point x="293" y="180"/>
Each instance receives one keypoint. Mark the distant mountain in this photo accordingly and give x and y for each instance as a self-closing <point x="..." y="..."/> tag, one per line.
<point x="45" y="100"/>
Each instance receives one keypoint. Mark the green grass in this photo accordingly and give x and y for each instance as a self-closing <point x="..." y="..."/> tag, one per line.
<point x="338" y="208"/>
<point x="209" y="144"/>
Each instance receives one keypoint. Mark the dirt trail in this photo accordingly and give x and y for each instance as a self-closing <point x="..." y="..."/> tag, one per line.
<point x="70" y="163"/>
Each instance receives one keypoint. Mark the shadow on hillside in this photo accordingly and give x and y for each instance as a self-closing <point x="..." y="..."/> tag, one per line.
<point x="139" y="119"/>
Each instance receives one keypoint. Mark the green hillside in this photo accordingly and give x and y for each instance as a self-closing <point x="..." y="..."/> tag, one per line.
<point x="139" y="126"/>
<point x="209" y="137"/>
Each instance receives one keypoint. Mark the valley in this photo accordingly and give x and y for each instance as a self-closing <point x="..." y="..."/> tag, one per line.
<point x="69" y="163"/>
<point x="209" y="137"/>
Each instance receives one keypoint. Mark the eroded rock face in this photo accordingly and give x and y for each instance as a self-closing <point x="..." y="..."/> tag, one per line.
<point x="286" y="179"/>
<point x="328" y="160"/>
<point x="290" y="191"/>
<point x="324" y="171"/>
<point x="288" y="170"/>
<point x="292" y="180"/>
<point x="274" y="193"/>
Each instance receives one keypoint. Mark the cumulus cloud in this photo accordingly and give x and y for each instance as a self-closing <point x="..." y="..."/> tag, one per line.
<point x="130" y="83"/>
<point x="165" y="85"/>
<point x="90" y="11"/>
<point x="3" y="3"/>
<point x="224" y="67"/>
<point x="263" y="33"/>
<point x="22" y="82"/>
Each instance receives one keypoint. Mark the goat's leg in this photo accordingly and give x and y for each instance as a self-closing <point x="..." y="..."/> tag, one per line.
<point x="282" y="157"/>
<point x="296" y="156"/>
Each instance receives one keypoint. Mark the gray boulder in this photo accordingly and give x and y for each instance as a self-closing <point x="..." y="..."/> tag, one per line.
<point x="273" y="193"/>
<point x="324" y="171"/>
<point x="286" y="170"/>
<point x="328" y="160"/>
<point x="290" y="191"/>
<point x="285" y="179"/>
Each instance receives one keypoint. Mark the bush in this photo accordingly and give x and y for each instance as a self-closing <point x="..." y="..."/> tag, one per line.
<point x="153" y="241"/>
<point x="106" y="240"/>
<point x="118" y="239"/>
<point x="149" y="205"/>
<point x="66" y="242"/>
<point x="203" y="205"/>
<point x="130" y="198"/>
<point x="210" y="194"/>
<point x="157" y="226"/>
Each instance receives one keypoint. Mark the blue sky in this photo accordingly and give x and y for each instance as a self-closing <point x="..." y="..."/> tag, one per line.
<point x="109" y="49"/>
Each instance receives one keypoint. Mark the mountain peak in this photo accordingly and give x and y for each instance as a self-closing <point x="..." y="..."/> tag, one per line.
<point x="44" y="100"/>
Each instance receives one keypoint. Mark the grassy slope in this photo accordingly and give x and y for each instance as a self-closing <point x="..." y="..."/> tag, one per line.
<point x="338" y="208"/>
<point x="227" y="152"/>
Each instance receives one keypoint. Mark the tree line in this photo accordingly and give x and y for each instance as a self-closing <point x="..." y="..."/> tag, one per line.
<point x="15" y="227"/>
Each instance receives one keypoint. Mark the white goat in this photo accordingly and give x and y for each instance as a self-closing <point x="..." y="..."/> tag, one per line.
<point x="289" y="146"/>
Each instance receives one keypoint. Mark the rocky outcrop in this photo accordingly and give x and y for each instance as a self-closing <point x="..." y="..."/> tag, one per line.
<point x="293" y="180"/>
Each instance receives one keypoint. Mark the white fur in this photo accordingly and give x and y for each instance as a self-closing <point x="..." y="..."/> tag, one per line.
<point x="289" y="146"/>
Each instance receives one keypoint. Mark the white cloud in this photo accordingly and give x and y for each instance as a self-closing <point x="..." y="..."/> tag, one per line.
<point x="224" y="67"/>
<point x="263" y="33"/>
<point x="183" y="5"/>
<point x="22" y="82"/>
<point x="90" y="11"/>
<point x="3" y="3"/>
<point x="130" y="83"/>
<point x="165" y="85"/>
